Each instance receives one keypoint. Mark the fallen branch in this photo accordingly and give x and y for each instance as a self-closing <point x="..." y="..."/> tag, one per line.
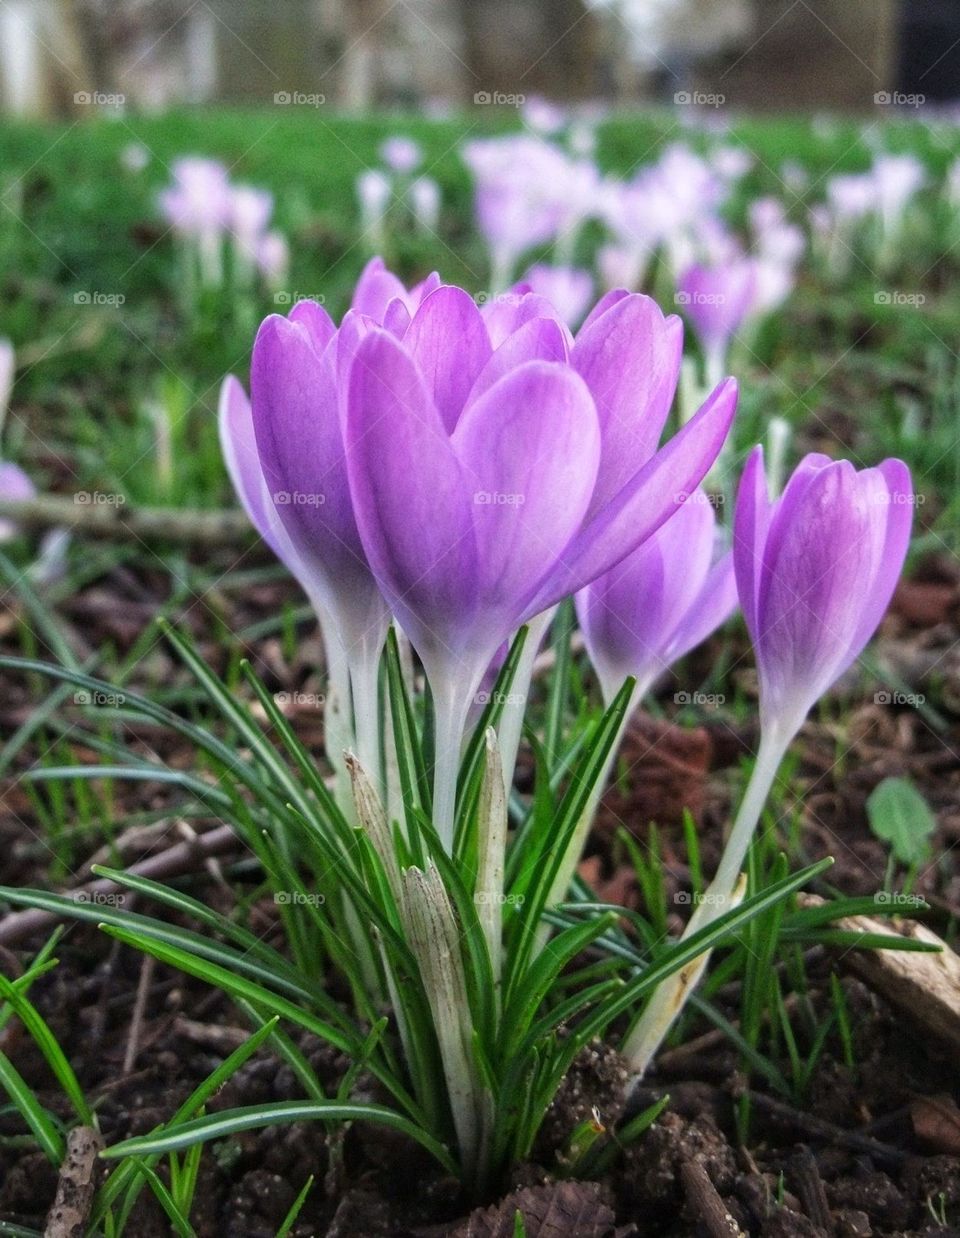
<point x="71" y="1206"/>
<point x="90" y="512"/>
<point x="181" y="858"/>
<point x="706" y="1204"/>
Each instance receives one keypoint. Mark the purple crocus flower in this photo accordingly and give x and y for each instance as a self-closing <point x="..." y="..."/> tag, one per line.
<point x="286" y="459"/>
<point x="717" y="300"/>
<point x="494" y="470"/>
<point x="15" y="486"/>
<point x="815" y="572"/>
<point x="660" y="602"/>
<point x="14" y="482"/>
<point x="401" y="154"/>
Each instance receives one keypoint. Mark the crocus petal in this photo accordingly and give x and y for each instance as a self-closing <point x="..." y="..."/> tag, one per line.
<point x="751" y="524"/>
<point x="530" y="448"/>
<point x="508" y="312"/>
<point x="631" y="615"/>
<point x="645" y="502"/>
<point x="375" y="289"/>
<point x="448" y="341"/>
<point x="297" y="425"/>
<point x="411" y="498"/>
<point x="14" y="486"/>
<point x="822" y="540"/>
<point x="396" y="318"/>
<point x="540" y="339"/>
<point x="896" y="498"/>
<point x="318" y="323"/>
<point x="713" y="606"/>
<point x="630" y="359"/>
<point x="607" y="301"/>
<point x="239" y="445"/>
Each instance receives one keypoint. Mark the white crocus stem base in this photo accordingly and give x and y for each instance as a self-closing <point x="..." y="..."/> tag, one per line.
<point x="337" y="717"/>
<point x="720" y="896"/>
<point x="451" y="707"/>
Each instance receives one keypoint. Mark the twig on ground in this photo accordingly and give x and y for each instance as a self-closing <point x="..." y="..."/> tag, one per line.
<point x="705" y="1202"/>
<point x="71" y="1207"/>
<point x="818" y="1128"/>
<point x="147" y="967"/>
<point x="176" y="860"/>
<point x="84" y="514"/>
<point x="809" y="1187"/>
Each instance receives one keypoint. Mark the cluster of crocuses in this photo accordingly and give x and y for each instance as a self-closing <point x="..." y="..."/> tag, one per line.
<point x="213" y="217"/>
<point x="397" y="182"/>
<point x="537" y="189"/>
<point x="865" y="213"/>
<point x="461" y="469"/>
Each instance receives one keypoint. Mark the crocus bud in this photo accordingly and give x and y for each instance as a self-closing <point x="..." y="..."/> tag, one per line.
<point x="425" y="202"/>
<point x="401" y="154"/>
<point x="373" y="194"/>
<point x="716" y="300"/>
<point x="815" y="572"/>
<point x="660" y="602"/>
<point x="15" y="485"/>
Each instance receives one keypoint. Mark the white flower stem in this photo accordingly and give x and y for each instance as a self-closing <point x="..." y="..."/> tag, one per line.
<point x="364" y="680"/>
<point x="451" y="705"/>
<point x="721" y="896"/>
<point x="337" y="716"/>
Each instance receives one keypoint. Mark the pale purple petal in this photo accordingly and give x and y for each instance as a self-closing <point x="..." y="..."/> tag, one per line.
<point x="448" y="342"/>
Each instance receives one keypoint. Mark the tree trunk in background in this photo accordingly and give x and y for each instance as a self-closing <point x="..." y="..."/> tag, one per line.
<point x="42" y="60"/>
<point x="527" y="47"/>
<point x="821" y="54"/>
<point x="363" y="22"/>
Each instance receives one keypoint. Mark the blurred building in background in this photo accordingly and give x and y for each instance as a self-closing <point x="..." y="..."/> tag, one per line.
<point x="358" y="54"/>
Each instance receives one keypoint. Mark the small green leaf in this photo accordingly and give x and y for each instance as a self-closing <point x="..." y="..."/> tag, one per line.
<point x="899" y="815"/>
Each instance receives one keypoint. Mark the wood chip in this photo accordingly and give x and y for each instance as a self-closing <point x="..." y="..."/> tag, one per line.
<point x="924" y="987"/>
<point x="936" y="1120"/>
